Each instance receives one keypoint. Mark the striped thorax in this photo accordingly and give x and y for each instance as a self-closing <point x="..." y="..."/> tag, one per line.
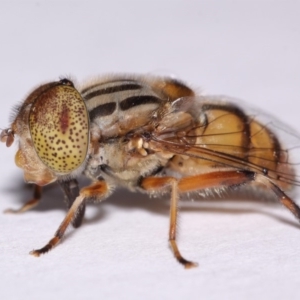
<point x="123" y="111"/>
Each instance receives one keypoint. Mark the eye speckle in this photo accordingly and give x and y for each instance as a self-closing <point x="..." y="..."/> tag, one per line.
<point x="56" y="117"/>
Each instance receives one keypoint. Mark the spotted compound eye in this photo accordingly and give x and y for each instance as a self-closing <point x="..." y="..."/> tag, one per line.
<point x="59" y="128"/>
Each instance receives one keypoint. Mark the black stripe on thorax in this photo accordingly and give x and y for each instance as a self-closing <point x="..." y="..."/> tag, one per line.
<point x="138" y="100"/>
<point x="102" y="110"/>
<point x="101" y="83"/>
<point x="113" y="89"/>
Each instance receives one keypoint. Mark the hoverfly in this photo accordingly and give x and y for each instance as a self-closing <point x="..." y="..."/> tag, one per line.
<point x="148" y="134"/>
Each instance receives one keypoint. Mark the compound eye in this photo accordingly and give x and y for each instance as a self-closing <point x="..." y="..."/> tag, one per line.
<point x="59" y="128"/>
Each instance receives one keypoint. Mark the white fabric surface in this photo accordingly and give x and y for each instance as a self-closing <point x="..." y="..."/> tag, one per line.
<point x="245" y="250"/>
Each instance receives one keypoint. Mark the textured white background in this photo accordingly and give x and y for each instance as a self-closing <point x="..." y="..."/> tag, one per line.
<point x="246" y="49"/>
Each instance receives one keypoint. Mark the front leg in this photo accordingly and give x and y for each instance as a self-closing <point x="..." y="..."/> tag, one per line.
<point x="37" y="194"/>
<point x="71" y="191"/>
<point x="96" y="191"/>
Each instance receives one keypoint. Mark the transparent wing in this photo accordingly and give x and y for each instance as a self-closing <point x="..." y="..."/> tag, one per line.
<point x="223" y="135"/>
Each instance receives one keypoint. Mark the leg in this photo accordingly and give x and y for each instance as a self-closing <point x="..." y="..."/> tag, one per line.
<point x="173" y="226"/>
<point x="160" y="183"/>
<point x="37" y="193"/>
<point x="71" y="191"/>
<point x="226" y="179"/>
<point x="283" y="198"/>
<point x="210" y="180"/>
<point x="96" y="190"/>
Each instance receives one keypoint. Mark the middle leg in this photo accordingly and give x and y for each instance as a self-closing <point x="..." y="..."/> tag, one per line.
<point x="187" y="184"/>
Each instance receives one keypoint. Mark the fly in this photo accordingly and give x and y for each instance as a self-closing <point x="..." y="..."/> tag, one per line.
<point x="147" y="134"/>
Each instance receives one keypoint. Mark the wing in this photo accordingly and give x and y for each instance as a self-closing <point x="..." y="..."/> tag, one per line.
<point x="206" y="134"/>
